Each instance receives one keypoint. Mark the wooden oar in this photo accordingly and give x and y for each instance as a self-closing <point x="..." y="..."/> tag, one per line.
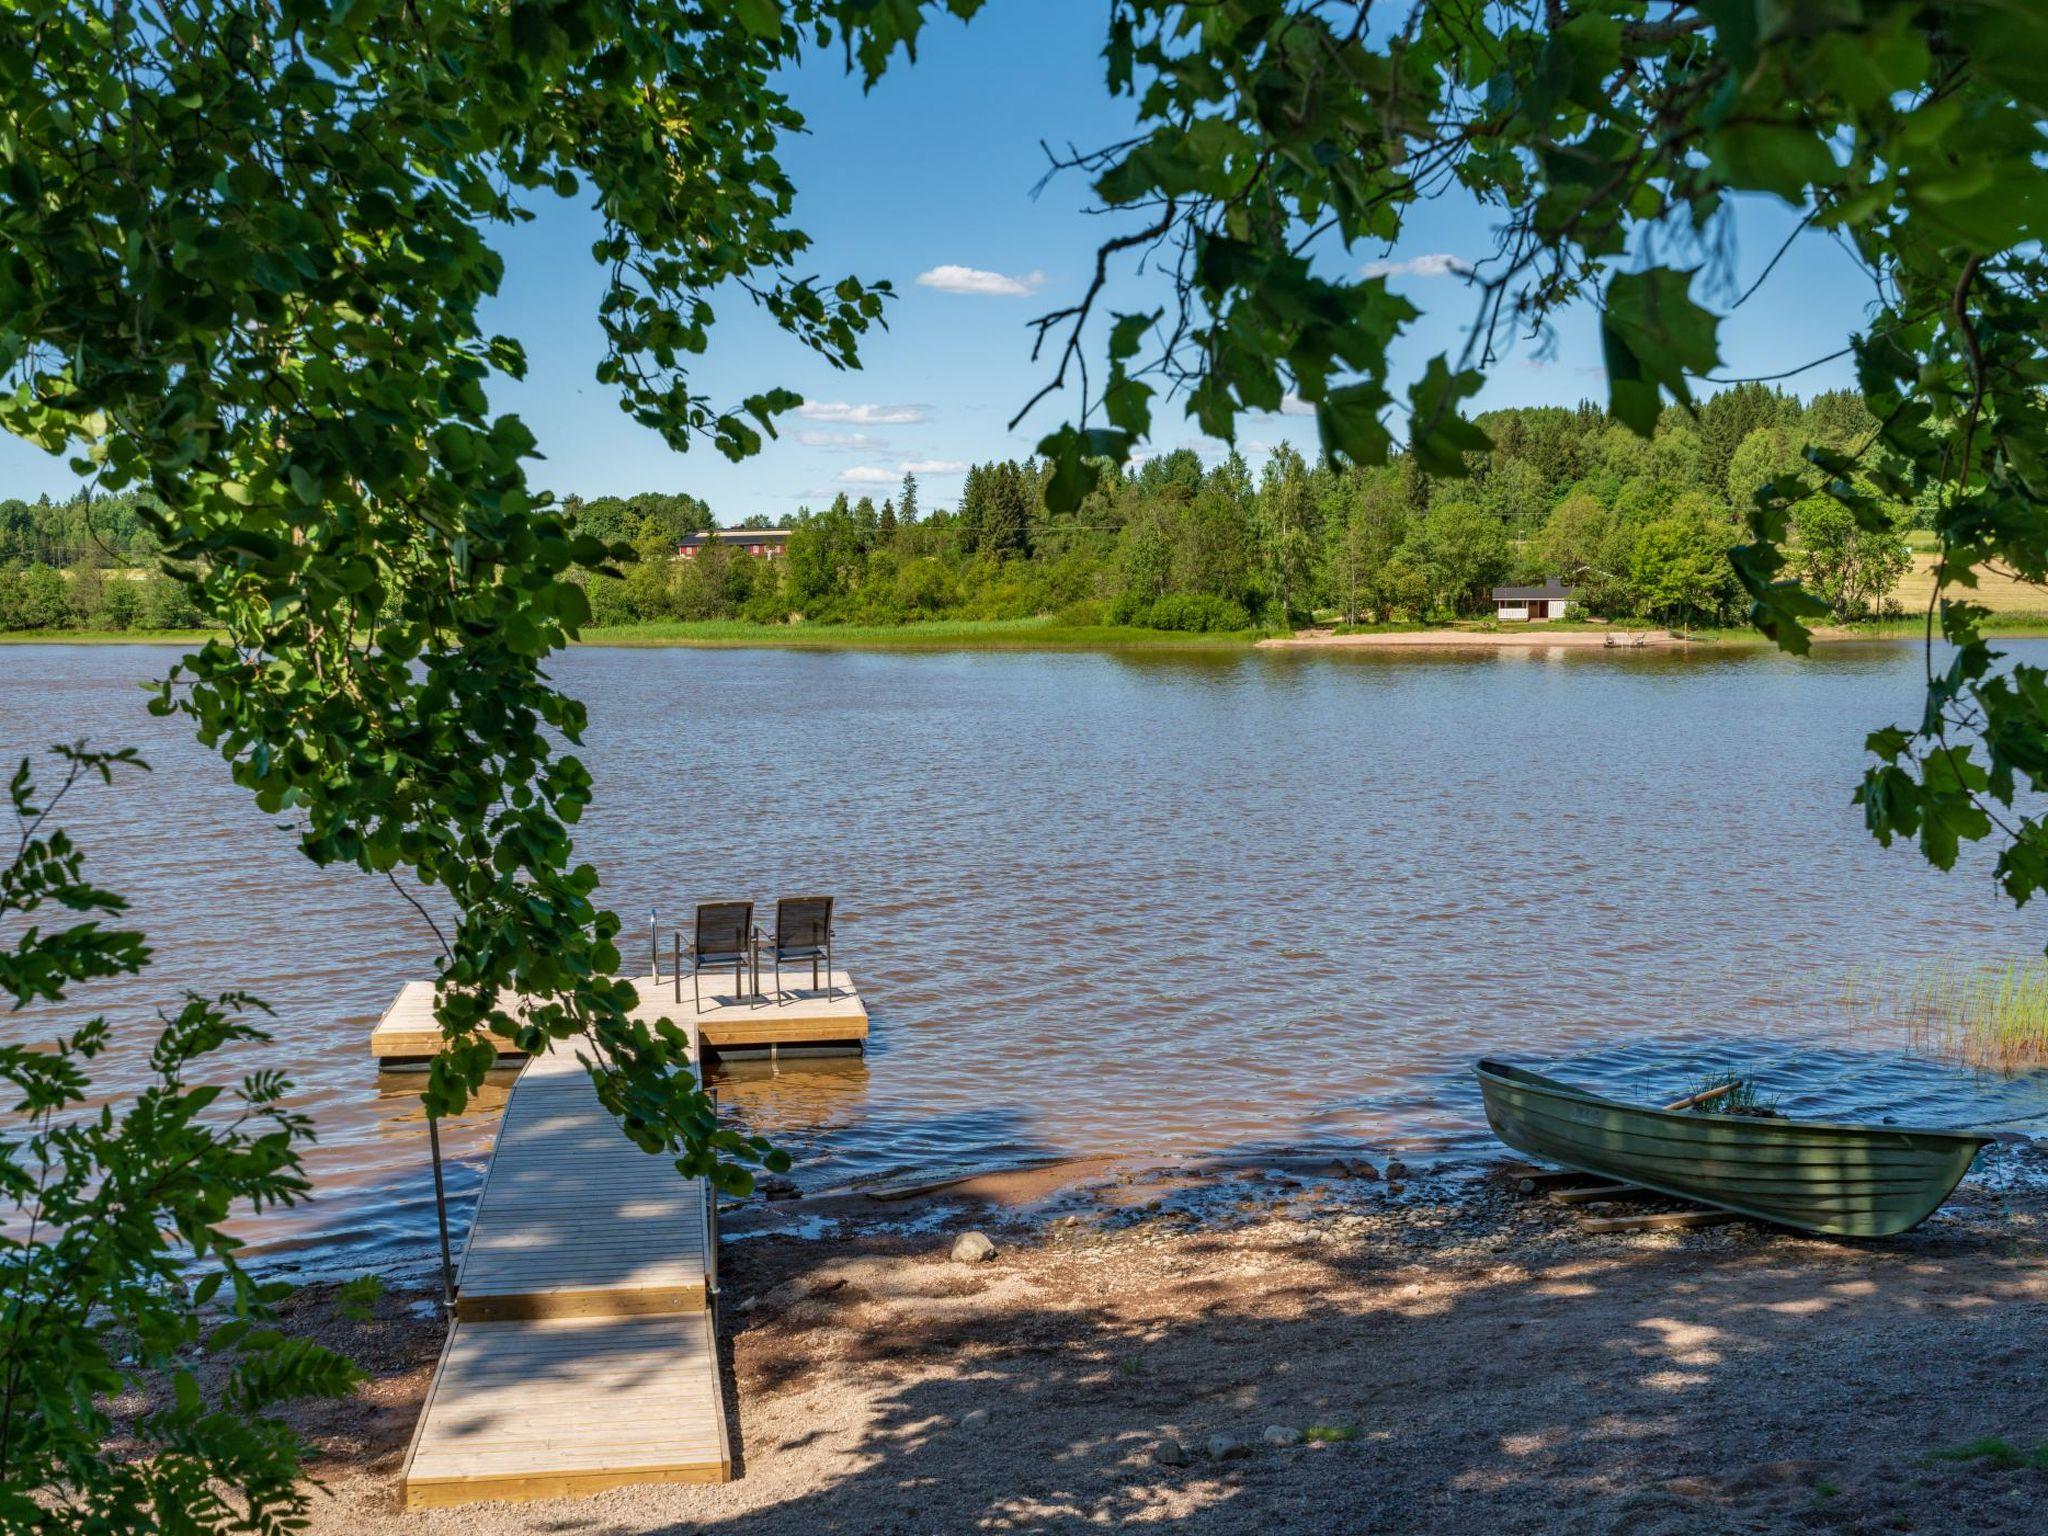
<point x="1706" y="1096"/>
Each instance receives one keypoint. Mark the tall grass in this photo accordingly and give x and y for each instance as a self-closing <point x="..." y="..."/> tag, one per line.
<point x="1991" y="1017"/>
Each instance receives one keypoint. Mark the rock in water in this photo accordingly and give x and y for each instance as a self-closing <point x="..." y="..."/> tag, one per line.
<point x="1282" y="1434"/>
<point x="1227" y="1448"/>
<point x="1396" y="1169"/>
<point x="1169" y="1452"/>
<point x="972" y="1248"/>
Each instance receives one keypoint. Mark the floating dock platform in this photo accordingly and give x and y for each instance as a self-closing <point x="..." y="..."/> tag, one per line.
<point x="583" y="1353"/>
<point x="732" y="1023"/>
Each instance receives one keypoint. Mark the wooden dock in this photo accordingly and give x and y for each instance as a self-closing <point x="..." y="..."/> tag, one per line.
<point x="583" y="1353"/>
<point x="830" y="1018"/>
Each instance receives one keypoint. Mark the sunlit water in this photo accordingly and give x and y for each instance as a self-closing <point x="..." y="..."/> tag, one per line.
<point x="1133" y="902"/>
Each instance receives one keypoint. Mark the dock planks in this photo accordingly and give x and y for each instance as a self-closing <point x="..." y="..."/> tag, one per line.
<point x="574" y="1220"/>
<point x="729" y="1021"/>
<point x="563" y="1406"/>
<point x="583" y="1354"/>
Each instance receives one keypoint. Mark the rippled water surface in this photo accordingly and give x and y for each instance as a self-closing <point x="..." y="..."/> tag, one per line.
<point x="1186" y="902"/>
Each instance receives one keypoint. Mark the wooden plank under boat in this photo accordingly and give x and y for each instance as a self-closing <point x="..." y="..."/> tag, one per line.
<point x="1847" y="1180"/>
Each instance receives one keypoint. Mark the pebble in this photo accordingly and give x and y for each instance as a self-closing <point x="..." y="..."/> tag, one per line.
<point x="974" y="1418"/>
<point x="972" y="1248"/>
<point x="1169" y="1452"/>
<point x="1282" y="1434"/>
<point x="1227" y="1448"/>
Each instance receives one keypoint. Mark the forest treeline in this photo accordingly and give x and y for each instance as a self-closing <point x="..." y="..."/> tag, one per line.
<point x="1640" y="526"/>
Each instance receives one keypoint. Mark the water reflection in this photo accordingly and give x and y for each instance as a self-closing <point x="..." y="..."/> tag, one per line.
<point x="1153" y="900"/>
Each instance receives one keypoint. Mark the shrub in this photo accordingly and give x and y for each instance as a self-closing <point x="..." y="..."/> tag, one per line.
<point x="167" y="604"/>
<point x="1195" y="613"/>
<point x="107" y="1211"/>
<point x="120" y="600"/>
<point x="609" y="603"/>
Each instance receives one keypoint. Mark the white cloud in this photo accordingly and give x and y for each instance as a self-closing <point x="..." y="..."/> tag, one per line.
<point x="1436" y="264"/>
<point x="869" y="474"/>
<point x="957" y="279"/>
<point x="863" y="415"/>
<point x="934" y="466"/>
<point x="848" y="442"/>
<point x="1292" y="404"/>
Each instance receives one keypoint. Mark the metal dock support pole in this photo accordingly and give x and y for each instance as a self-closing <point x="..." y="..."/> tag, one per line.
<point x="441" y="1214"/>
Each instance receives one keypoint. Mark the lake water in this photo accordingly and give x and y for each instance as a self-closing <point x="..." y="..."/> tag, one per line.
<point x="1138" y="902"/>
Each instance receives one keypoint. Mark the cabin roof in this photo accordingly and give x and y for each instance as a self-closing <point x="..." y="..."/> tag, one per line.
<point x="1553" y="590"/>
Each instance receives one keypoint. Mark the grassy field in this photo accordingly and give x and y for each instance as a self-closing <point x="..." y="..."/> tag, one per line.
<point x="189" y="637"/>
<point x="2001" y="594"/>
<point x="1042" y="634"/>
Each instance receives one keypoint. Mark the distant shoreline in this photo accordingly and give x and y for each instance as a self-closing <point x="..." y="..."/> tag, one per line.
<point x="1050" y="635"/>
<point x="1480" y="640"/>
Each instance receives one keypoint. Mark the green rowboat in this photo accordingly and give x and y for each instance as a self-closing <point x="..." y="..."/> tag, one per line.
<point x="1848" y="1180"/>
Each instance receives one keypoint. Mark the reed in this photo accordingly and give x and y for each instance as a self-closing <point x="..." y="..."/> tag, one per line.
<point x="1994" y="1018"/>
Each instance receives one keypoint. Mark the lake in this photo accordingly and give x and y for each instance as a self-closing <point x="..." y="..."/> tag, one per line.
<point x="1148" y="902"/>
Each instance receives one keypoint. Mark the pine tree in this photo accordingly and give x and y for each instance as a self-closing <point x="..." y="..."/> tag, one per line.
<point x="885" y="526"/>
<point x="974" y="508"/>
<point x="1006" y="526"/>
<point x="906" y="511"/>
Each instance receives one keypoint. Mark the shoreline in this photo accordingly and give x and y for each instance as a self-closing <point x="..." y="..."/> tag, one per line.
<point x="1035" y="635"/>
<point x="1487" y="640"/>
<point x="1451" y="1359"/>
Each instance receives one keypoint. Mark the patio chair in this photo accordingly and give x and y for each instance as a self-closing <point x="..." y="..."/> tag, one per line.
<point x="803" y="931"/>
<point x="725" y="936"/>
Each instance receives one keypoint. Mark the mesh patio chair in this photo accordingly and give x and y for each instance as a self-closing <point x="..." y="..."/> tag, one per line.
<point x="803" y="931"/>
<point x="725" y="936"/>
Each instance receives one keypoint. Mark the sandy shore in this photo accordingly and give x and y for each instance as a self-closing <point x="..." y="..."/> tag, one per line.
<point x="1477" y="639"/>
<point x="1478" y="1362"/>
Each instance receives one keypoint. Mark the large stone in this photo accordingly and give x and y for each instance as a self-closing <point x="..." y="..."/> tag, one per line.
<point x="972" y="1248"/>
<point x="1169" y="1452"/>
<point x="974" y="1418"/>
<point x="1227" y="1448"/>
<point x="1282" y="1434"/>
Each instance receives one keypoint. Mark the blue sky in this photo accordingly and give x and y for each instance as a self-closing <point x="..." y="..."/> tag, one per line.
<point x="931" y="175"/>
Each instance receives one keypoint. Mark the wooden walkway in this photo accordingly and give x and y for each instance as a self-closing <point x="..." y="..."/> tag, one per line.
<point x="831" y="1016"/>
<point x="583" y="1354"/>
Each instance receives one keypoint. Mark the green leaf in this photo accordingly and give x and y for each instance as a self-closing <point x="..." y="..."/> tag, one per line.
<point x="1439" y="436"/>
<point x="1653" y="334"/>
<point x="1788" y="159"/>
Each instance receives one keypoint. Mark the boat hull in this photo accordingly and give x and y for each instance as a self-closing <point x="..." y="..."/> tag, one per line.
<point x="1846" y="1180"/>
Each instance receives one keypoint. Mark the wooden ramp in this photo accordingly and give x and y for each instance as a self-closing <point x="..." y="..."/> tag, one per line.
<point x="732" y="1021"/>
<point x="583" y="1354"/>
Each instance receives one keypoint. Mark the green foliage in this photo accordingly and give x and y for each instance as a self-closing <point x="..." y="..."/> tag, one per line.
<point x="357" y="1298"/>
<point x="1329" y="1434"/>
<point x="1680" y="570"/>
<point x="1562" y="492"/>
<point x="1459" y="552"/>
<point x="280" y="363"/>
<point x="1609" y="140"/>
<point x="110" y="1210"/>
<point x="1999" y="1453"/>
